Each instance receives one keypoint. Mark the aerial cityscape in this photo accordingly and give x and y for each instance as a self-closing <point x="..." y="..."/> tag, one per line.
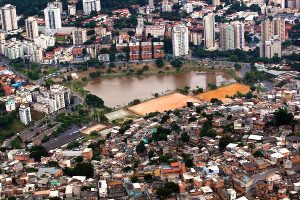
<point x="150" y="99"/>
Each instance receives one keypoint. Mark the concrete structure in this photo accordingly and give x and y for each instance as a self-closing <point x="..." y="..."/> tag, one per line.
<point x="44" y="41"/>
<point x="91" y="5"/>
<point x="209" y="31"/>
<point x="196" y="38"/>
<point x="226" y="37"/>
<point x="151" y="4"/>
<point x="180" y="40"/>
<point x="239" y="39"/>
<point x="166" y="7"/>
<point x="271" y="48"/>
<point x="267" y="29"/>
<point x="25" y="114"/>
<point x="52" y="16"/>
<point x="72" y="9"/>
<point x="215" y="2"/>
<point x="31" y="27"/>
<point x="79" y="36"/>
<point x="155" y="30"/>
<point x="279" y="28"/>
<point x="8" y="17"/>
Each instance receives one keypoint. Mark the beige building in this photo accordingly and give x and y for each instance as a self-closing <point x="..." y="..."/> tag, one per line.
<point x="79" y="36"/>
<point x="209" y="31"/>
<point x="8" y="17"/>
<point x="31" y="27"/>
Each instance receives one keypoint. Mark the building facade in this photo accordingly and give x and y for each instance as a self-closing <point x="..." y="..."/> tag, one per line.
<point x="25" y="114"/>
<point x="91" y="5"/>
<point x="209" y="31"/>
<point x="79" y="36"/>
<point x="180" y="40"/>
<point x="8" y="18"/>
<point x="31" y="27"/>
<point x="52" y="16"/>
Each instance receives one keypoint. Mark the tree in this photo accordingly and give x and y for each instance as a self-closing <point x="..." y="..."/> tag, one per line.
<point x="177" y="63"/>
<point x="159" y="62"/>
<point x="134" y="179"/>
<point x="2" y="91"/>
<point x="283" y="117"/>
<point x="84" y="169"/>
<point x="148" y="178"/>
<point x="37" y="152"/>
<point x="237" y="66"/>
<point x="93" y="100"/>
<point x="224" y="141"/>
<point x="185" y="137"/>
<point x="167" y="189"/>
<point x="140" y="148"/>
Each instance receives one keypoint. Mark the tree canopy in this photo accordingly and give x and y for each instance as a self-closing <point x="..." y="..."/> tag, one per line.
<point x="93" y="100"/>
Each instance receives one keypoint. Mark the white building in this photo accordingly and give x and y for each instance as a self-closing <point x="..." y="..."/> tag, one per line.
<point x="239" y="38"/>
<point x="8" y="17"/>
<point x="25" y="114"/>
<point x="155" y="30"/>
<point x="209" y="31"/>
<point x="151" y="4"/>
<point x="31" y="27"/>
<point x="49" y="101"/>
<point x="166" y="7"/>
<point x="196" y="38"/>
<point x="180" y="40"/>
<point x="44" y="41"/>
<point x="271" y="48"/>
<point x="10" y="105"/>
<point x="79" y="36"/>
<point x="91" y="5"/>
<point x="72" y="9"/>
<point x="13" y="49"/>
<point x="52" y="16"/>
<point x="37" y="55"/>
<point x="215" y="2"/>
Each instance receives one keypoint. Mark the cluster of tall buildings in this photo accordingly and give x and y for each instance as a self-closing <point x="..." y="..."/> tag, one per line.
<point x="49" y="101"/>
<point x="272" y="35"/>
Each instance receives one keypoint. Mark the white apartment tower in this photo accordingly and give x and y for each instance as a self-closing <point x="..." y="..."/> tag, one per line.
<point x="180" y="40"/>
<point x="151" y="4"/>
<point x="31" y="27"/>
<point x="79" y="36"/>
<point x="209" y="31"/>
<point x="72" y="9"/>
<point x="91" y="5"/>
<point x="8" y="17"/>
<point x="165" y="6"/>
<point x="227" y="36"/>
<point x="25" y="114"/>
<point x="215" y="2"/>
<point x="271" y="48"/>
<point x="52" y="17"/>
<point x="239" y="38"/>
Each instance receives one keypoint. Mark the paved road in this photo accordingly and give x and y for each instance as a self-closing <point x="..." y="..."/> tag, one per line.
<point x="66" y="137"/>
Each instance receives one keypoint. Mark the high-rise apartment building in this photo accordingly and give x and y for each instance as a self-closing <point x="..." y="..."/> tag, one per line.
<point x="151" y="4"/>
<point x="91" y="5"/>
<point x="239" y="38"/>
<point x="72" y="9"/>
<point x="31" y="27"/>
<point x="79" y="36"/>
<point x="165" y="6"/>
<point x="271" y="48"/>
<point x="227" y="36"/>
<point x="52" y="16"/>
<point x="267" y="29"/>
<point x="25" y="114"/>
<point x="279" y="28"/>
<point x="8" y="17"/>
<point x="209" y="31"/>
<point x="215" y="2"/>
<point x="180" y="40"/>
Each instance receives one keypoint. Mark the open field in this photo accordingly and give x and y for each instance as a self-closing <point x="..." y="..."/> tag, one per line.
<point x="161" y="104"/>
<point x="222" y="92"/>
<point x="97" y="128"/>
